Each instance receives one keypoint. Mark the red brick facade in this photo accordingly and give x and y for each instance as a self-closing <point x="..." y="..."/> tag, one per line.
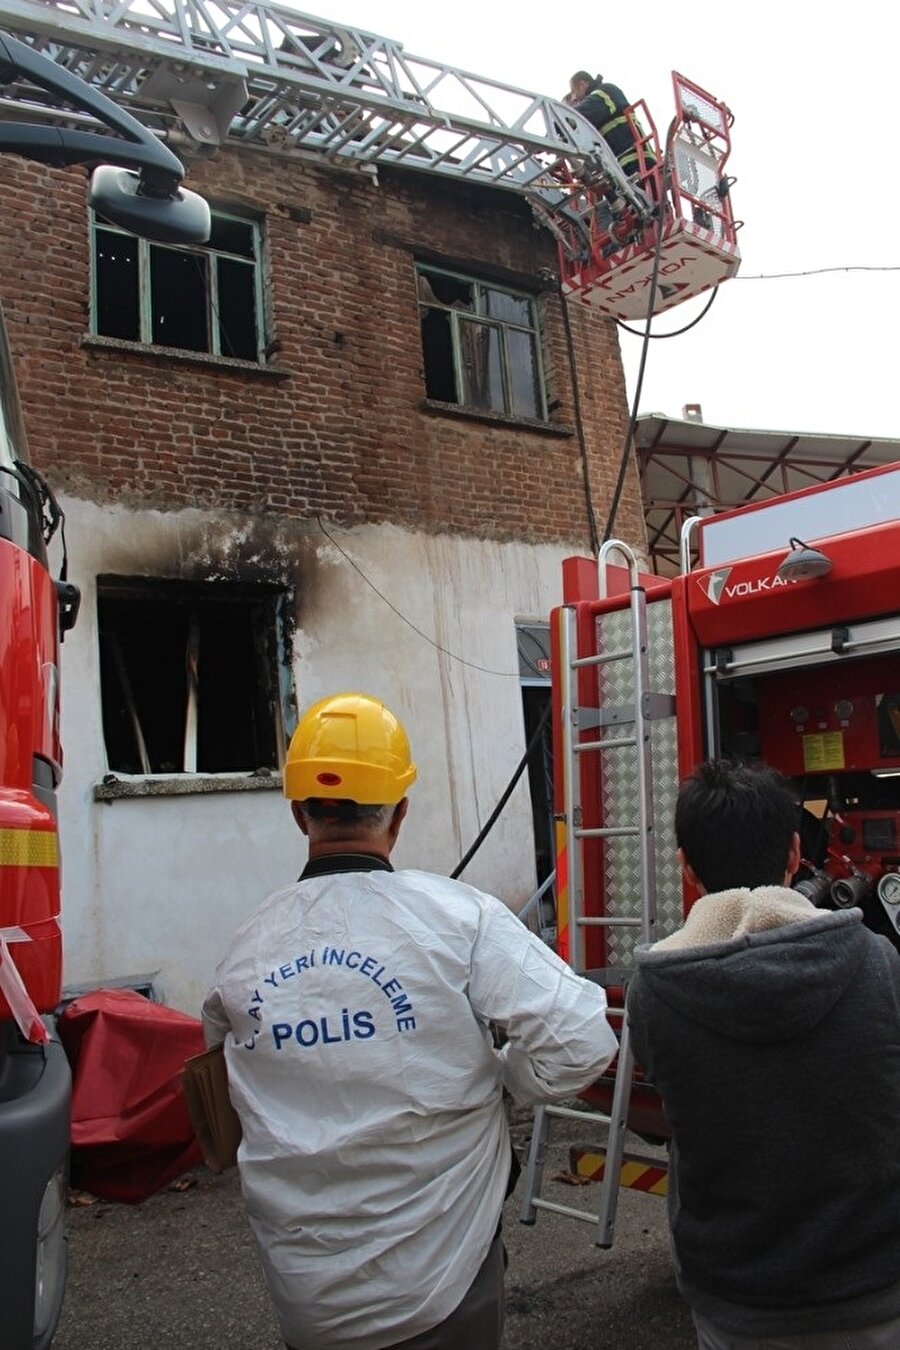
<point x="336" y="424"/>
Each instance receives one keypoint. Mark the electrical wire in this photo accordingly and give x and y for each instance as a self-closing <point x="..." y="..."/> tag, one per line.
<point x="203" y="274"/>
<point x="813" y="272"/>
<point x="678" y="331"/>
<point x="507" y="793"/>
<point x="651" y="301"/>
<point x="579" y="425"/>
<point x="636" y="402"/>
<point x="472" y="665"/>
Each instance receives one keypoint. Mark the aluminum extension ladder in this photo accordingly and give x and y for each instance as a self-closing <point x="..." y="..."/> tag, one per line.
<point x="574" y="719"/>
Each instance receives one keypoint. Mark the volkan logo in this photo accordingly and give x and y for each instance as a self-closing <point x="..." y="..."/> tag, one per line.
<point x="713" y="585"/>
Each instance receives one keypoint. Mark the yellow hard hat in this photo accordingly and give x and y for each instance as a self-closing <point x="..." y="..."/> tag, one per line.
<point x="349" y="747"/>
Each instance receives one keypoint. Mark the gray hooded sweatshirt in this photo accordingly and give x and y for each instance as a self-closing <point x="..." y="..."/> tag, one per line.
<point x="772" y="1031"/>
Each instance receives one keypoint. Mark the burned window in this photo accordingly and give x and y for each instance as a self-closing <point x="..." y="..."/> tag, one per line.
<point x="203" y="298"/>
<point x="481" y="344"/>
<point x="191" y="677"/>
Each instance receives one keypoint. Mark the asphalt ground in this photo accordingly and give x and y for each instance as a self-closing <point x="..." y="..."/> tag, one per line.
<point x="180" y="1271"/>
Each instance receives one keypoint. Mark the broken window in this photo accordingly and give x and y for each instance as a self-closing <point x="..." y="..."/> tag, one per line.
<point x="193" y="677"/>
<point x="203" y="298"/>
<point x="481" y="344"/>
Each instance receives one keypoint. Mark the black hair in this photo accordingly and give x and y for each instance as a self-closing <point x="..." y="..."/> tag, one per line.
<point x="734" y="821"/>
<point x="341" y="810"/>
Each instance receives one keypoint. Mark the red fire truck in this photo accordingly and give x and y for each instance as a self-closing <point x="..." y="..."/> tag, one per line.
<point x="779" y="640"/>
<point x="139" y="187"/>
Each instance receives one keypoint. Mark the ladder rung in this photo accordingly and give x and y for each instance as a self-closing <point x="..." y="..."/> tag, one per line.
<point x="570" y="1113"/>
<point x="619" y="743"/>
<point x="608" y="832"/>
<point x="622" y="654"/>
<point x="596" y="922"/>
<point x="569" y="1210"/>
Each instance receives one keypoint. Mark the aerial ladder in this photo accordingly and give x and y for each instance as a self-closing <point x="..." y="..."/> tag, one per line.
<point x="611" y="702"/>
<point x="255" y="74"/>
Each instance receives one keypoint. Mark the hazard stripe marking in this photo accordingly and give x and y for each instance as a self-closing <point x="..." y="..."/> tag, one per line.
<point x="28" y="848"/>
<point x="635" y="1174"/>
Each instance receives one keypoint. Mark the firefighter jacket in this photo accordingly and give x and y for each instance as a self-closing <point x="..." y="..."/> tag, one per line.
<point x="355" y="1011"/>
<point x="605" y="106"/>
<point x="772" y="1030"/>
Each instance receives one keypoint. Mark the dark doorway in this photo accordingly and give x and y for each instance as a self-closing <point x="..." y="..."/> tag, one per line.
<point x="533" y="642"/>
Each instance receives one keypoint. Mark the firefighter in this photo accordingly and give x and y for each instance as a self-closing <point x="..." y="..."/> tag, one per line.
<point x="605" y="107"/>
<point x="772" y="1030"/>
<point x="355" y="1007"/>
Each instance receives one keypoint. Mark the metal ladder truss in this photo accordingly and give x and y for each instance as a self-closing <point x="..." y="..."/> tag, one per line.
<point x="576" y="719"/>
<point x="251" y="72"/>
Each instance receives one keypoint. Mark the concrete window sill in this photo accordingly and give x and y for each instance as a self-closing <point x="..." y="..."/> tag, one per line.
<point x="116" y="786"/>
<point x="93" y="343"/>
<point x="435" y="408"/>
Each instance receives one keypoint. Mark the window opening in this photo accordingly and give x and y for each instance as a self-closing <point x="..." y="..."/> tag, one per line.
<point x="481" y="344"/>
<point x="533" y="643"/>
<point x="206" y="298"/>
<point x="191" y="677"/>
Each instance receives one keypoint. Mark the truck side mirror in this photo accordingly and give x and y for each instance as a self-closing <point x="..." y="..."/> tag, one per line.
<point x="69" y="600"/>
<point x="120" y="196"/>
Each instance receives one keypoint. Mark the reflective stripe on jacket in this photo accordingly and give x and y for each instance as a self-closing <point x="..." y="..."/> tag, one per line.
<point x="606" y="107"/>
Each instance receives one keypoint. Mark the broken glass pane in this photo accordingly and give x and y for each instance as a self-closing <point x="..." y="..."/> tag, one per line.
<point x="508" y="308"/>
<point x="438" y="288"/>
<point x="437" y="350"/>
<point x="524" y="385"/>
<point x="481" y="362"/>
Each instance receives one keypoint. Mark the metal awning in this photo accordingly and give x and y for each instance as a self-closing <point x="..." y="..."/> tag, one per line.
<point x="690" y="468"/>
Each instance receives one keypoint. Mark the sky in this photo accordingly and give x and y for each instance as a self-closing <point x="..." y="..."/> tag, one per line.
<point x="814" y="93"/>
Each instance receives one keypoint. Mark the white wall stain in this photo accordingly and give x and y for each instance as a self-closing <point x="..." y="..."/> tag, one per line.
<point x="163" y="882"/>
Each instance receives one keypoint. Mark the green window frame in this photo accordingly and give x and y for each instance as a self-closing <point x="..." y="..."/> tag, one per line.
<point x="481" y="344"/>
<point x="202" y="298"/>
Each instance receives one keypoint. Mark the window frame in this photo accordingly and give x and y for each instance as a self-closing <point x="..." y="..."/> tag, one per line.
<point x="479" y="315"/>
<point x="145" y="298"/>
<point x="272" y="674"/>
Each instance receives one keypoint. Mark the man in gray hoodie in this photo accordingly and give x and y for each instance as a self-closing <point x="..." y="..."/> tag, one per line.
<point x="772" y="1030"/>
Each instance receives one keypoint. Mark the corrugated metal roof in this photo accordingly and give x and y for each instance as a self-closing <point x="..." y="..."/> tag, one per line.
<point x="689" y="468"/>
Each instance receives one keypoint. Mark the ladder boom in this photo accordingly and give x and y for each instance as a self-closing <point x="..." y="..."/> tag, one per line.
<point x="251" y="72"/>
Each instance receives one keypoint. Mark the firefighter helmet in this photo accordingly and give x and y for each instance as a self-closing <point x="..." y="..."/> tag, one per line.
<point x="349" y="747"/>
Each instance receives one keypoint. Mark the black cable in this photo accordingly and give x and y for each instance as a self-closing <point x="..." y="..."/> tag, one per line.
<point x="489" y="823"/>
<point x="579" y="425"/>
<point x="206" y="279"/>
<point x="678" y="331"/>
<point x="632" y="424"/>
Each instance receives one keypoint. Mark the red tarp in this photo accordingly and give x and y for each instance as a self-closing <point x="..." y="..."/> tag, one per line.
<point x="131" y="1134"/>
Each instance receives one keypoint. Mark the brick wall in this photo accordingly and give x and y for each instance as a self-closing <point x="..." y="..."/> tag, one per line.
<point x="343" y="432"/>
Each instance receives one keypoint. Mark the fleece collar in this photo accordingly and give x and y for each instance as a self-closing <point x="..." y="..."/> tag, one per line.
<point x="730" y="914"/>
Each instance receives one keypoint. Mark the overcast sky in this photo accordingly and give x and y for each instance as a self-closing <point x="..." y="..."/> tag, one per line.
<point x="814" y="92"/>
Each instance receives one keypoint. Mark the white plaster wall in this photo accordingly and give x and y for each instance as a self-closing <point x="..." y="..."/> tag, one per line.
<point x="159" y="884"/>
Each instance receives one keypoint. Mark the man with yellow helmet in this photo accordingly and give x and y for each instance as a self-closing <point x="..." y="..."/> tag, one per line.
<point x="355" y="1008"/>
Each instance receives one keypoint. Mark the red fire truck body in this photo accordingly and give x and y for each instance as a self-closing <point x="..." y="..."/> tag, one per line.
<point x="780" y="642"/>
<point x="30" y="758"/>
<point x="139" y="188"/>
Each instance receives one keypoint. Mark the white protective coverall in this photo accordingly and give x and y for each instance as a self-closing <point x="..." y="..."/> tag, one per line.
<point x="354" y="1010"/>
